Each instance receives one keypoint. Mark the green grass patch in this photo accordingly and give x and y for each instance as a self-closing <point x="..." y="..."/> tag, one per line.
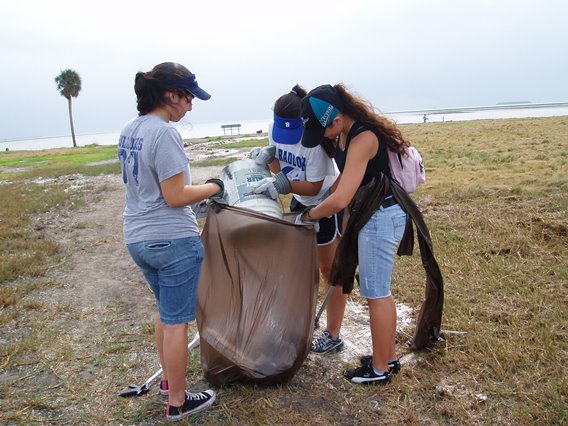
<point x="247" y="143"/>
<point x="57" y="162"/>
<point x="214" y="161"/>
<point x="246" y="139"/>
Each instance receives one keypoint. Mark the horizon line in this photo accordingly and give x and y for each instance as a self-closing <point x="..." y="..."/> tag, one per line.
<point x="516" y="105"/>
<point x="431" y="111"/>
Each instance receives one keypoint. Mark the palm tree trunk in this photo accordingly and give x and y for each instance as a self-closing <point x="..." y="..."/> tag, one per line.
<point x="71" y="121"/>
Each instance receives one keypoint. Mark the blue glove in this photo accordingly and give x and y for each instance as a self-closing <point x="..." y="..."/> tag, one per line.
<point x="300" y="221"/>
<point x="274" y="185"/>
<point x="263" y="155"/>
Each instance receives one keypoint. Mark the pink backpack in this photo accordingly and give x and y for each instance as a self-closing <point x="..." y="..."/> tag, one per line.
<point x="407" y="169"/>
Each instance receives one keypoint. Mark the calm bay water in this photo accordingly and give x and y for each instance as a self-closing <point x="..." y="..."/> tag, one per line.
<point x="186" y="129"/>
<point x="190" y="131"/>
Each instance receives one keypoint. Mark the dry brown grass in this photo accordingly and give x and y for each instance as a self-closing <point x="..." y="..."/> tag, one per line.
<point x="496" y="204"/>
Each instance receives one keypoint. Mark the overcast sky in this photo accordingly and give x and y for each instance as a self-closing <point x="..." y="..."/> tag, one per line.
<point x="398" y="54"/>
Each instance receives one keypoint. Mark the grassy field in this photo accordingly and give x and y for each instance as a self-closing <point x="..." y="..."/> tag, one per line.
<point x="496" y="203"/>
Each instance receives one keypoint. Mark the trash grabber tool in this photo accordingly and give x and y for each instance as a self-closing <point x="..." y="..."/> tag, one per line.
<point x="325" y="300"/>
<point x="135" y="390"/>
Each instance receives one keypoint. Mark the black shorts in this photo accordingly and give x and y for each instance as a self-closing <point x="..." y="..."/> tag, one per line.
<point x="330" y="227"/>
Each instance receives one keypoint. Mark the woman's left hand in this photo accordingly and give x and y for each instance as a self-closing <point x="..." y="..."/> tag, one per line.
<point x="302" y="220"/>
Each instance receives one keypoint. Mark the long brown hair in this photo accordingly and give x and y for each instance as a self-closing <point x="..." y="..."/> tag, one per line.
<point x="363" y="112"/>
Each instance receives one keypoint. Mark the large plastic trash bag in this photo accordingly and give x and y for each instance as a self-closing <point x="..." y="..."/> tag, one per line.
<point x="257" y="296"/>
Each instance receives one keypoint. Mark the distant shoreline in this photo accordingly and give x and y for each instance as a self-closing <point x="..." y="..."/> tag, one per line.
<point x="196" y="131"/>
<point x="524" y="105"/>
<point x="500" y="106"/>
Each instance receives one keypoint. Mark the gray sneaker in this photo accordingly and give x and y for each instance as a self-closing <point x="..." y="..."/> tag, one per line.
<point x="325" y="343"/>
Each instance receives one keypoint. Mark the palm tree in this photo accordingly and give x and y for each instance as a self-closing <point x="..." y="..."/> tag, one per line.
<point x="69" y="85"/>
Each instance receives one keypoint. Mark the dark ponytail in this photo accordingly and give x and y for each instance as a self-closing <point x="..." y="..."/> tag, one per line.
<point x="149" y="92"/>
<point x="149" y="86"/>
<point x="290" y="104"/>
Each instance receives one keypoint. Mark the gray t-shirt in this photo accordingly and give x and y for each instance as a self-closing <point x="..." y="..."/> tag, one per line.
<point x="151" y="151"/>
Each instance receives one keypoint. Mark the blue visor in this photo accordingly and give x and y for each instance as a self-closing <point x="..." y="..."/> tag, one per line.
<point x="189" y="84"/>
<point x="287" y="131"/>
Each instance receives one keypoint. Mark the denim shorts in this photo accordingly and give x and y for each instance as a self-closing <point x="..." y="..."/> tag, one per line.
<point x="377" y="243"/>
<point x="171" y="268"/>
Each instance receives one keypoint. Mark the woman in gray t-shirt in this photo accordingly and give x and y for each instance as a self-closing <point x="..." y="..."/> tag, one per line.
<point x="160" y="228"/>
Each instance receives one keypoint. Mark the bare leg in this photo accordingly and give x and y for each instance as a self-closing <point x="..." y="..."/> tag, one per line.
<point x="382" y="314"/>
<point x="392" y="352"/>
<point x="159" y="337"/>
<point x="175" y="361"/>
<point x="335" y="308"/>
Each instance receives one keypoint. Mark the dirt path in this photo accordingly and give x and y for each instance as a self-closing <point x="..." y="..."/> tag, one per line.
<point x="92" y="240"/>
<point x="105" y="305"/>
<point x="109" y="310"/>
<point x="97" y="266"/>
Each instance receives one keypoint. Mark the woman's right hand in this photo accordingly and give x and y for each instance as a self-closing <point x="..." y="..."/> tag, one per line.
<point x="177" y="194"/>
<point x="221" y="191"/>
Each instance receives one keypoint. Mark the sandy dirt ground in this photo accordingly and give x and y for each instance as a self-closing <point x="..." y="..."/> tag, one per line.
<point x="99" y="277"/>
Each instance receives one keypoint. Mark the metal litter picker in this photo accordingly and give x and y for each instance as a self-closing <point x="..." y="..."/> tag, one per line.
<point x="135" y="390"/>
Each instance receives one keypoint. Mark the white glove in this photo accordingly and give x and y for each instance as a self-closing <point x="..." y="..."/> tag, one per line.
<point x="274" y="185"/>
<point x="300" y="221"/>
<point x="200" y="208"/>
<point x="266" y="185"/>
<point x="263" y="155"/>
